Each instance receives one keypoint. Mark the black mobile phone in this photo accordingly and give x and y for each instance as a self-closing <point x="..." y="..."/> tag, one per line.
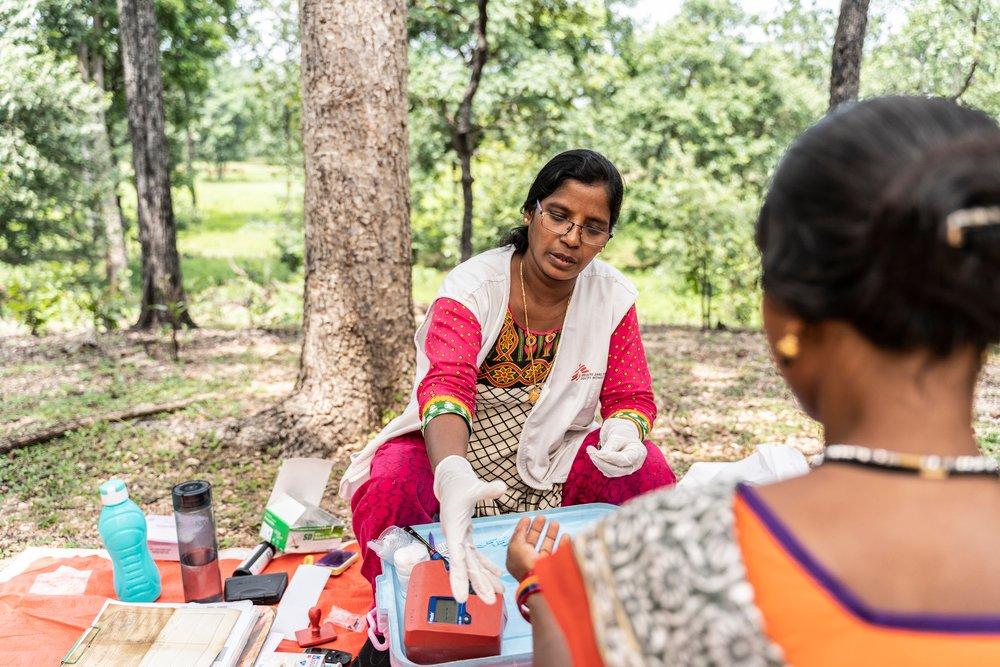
<point x="332" y="656"/>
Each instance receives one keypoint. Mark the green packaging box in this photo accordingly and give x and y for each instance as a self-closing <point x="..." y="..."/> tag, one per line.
<point x="293" y="522"/>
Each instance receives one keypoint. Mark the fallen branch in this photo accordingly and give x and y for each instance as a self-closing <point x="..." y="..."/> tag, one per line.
<point x="134" y="412"/>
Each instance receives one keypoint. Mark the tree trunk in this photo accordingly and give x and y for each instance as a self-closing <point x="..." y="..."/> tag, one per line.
<point x="189" y="151"/>
<point x="465" y="160"/>
<point x="848" y="44"/>
<point x="162" y="298"/>
<point x="463" y="131"/>
<point x="358" y="311"/>
<point x="102" y="171"/>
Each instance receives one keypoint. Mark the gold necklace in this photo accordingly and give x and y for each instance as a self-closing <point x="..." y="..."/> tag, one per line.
<point x="535" y="392"/>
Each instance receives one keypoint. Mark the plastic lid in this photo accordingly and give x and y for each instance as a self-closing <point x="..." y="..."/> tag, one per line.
<point x="113" y="492"/>
<point x="192" y="495"/>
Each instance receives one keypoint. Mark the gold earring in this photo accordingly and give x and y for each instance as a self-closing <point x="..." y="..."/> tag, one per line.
<point x="788" y="347"/>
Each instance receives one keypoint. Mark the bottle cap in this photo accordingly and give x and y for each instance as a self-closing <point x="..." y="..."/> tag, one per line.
<point x="192" y="495"/>
<point x="113" y="492"/>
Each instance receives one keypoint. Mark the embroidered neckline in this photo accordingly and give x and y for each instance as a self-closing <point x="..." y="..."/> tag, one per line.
<point x="507" y="364"/>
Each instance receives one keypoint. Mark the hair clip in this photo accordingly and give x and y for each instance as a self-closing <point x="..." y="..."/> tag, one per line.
<point x="959" y="220"/>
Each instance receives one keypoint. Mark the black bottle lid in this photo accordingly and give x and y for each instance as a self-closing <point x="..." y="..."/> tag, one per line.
<point x="193" y="495"/>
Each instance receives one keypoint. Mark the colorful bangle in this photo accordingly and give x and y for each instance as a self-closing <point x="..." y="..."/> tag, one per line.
<point x="528" y="587"/>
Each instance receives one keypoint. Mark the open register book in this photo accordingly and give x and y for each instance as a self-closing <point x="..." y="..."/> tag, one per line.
<point x="167" y="635"/>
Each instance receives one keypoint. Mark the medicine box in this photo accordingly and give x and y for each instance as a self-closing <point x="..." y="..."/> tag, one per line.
<point x="161" y="537"/>
<point x="294" y="527"/>
<point x="293" y="521"/>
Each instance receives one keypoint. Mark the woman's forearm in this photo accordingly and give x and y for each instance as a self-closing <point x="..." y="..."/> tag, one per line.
<point x="446" y="435"/>
<point x="550" y="647"/>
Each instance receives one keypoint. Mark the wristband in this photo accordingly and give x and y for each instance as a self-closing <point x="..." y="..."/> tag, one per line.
<point x="528" y="587"/>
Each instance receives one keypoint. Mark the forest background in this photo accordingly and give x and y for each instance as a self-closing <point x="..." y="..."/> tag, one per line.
<point x="694" y="101"/>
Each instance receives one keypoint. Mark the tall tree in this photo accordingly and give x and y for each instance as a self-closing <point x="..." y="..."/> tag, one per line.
<point x="462" y="137"/>
<point x="162" y="295"/>
<point x="848" y="45"/>
<point x="358" y="314"/>
<point x="100" y="167"/>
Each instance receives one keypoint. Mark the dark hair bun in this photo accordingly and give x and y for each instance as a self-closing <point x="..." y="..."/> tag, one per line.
<point x="855" y="225"/>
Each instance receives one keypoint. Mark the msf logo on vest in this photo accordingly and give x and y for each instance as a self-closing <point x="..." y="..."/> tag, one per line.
<point x="584" y="373"/>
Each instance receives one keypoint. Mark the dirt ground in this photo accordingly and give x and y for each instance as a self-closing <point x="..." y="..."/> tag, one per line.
<point x="718" y="396"/>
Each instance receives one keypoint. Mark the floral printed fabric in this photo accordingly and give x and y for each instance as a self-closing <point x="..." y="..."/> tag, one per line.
<point x="440" y="405"/>
<point x="667" y="586"/>
<point x="520" y="357"/>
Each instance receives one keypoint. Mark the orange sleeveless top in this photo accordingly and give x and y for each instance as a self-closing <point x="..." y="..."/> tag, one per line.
<point x="807" y="612"/>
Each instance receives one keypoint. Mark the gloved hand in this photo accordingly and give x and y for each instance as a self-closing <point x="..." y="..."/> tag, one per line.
<point x="458" y="489"/>
<point x="621" y="450"/>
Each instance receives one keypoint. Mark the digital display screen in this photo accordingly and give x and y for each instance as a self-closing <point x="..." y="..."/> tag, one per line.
<point x="445" y="610"/>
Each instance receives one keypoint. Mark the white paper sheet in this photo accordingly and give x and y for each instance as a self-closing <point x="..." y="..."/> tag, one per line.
<point x="269" y="647"/>
<point x="302" y="593"/>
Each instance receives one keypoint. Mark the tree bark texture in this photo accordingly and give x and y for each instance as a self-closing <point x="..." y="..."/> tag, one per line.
<point x="358" y="312"/>
<point x="848" y="45"/>
<point x="464" y="133"/>
<point x="102" y="171"/>
<point x="162" y="298"/>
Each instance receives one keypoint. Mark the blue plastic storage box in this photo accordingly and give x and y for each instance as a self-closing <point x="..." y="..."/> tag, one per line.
<point x="492" y="535"/>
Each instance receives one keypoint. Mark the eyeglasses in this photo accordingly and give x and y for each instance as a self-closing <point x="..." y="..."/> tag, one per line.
<point x="558" y="223"/>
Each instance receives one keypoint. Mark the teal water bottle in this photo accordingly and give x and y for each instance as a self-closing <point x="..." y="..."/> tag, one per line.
<point x="123" y="530"/>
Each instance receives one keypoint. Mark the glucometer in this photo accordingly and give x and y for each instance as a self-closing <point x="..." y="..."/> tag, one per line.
<point x="437" y="628"/>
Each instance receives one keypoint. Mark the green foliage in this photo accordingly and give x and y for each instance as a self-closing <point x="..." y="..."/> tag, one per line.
<point x="228" y="124"/>
<point x="695" y="114"/>
<point x="107" y="308"/>
<point x="31" y="304"/>
<point x="696" y="129"/>
<point x="290" y="253"/>
<point x="694" y="111"/>
<point x="44" y="136"/>
<point x="945" y="48"/>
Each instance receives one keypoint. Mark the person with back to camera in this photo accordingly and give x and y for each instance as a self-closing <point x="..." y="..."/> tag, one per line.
<point x="519" y="348"/>
<point x="880" y="246"/>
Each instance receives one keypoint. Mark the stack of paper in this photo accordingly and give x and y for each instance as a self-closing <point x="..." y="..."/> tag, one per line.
<point x="226" y="634"/>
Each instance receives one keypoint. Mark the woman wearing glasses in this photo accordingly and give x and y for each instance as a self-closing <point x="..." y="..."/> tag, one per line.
<point x="521" y="347"/>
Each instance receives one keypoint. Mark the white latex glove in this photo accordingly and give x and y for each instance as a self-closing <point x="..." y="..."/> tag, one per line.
<point x="621" y="450"/>
<point x="458" y="489"/>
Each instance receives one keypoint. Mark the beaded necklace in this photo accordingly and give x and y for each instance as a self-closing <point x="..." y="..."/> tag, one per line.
<point x="929" y="466"/>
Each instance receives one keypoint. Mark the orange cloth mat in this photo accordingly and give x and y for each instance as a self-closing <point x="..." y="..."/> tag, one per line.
<point x="39" y="629"/>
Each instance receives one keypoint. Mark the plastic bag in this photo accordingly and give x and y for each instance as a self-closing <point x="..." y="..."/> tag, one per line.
<point x="398" y="547"/>
<point x="345" y="619"/>
<point x="768" y="464"/>
<point x="392" y="538"/>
